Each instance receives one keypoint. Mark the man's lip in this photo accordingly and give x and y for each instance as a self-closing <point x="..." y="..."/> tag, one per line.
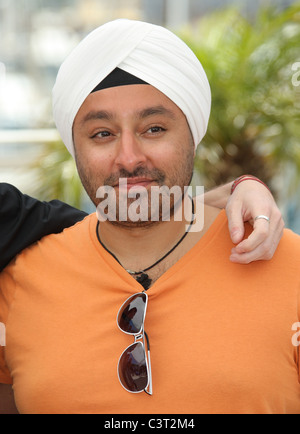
<point x="135" y="181"/>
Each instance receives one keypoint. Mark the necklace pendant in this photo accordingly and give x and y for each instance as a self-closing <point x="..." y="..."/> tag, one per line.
<point x="144" y="280"/>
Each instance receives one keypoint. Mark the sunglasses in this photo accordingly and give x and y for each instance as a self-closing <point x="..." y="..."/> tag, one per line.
<point x="134" y="367"/>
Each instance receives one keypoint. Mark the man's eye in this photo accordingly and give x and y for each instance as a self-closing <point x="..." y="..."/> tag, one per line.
<point x="155" y="130"/>
<point x="102" y="134"/>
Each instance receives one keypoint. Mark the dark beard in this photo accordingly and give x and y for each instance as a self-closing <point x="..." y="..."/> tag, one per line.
<point x="159" y="178"/>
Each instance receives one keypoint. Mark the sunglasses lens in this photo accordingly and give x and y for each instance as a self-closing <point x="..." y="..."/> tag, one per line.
<point x="132" y="314"/>
<point x="133" y="372"/>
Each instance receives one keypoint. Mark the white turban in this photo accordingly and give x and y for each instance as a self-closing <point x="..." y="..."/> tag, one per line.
<point x="149" y="52"/>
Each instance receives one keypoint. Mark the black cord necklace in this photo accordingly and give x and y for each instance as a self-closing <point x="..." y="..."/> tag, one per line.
<point x="143" y="278"/>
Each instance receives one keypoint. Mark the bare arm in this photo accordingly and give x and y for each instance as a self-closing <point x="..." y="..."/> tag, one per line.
<point x="219" y="196"/>
<point x="7" y="401"/>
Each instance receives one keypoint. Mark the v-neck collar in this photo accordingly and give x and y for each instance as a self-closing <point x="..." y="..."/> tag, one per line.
<point x="117" y="268"/>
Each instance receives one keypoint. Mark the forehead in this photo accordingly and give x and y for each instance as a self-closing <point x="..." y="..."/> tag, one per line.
<point x="132" y="100"/>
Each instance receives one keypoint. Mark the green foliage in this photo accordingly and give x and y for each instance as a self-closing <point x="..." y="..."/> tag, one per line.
<point x="56" y="175"/>
<point x="254" y="125"/>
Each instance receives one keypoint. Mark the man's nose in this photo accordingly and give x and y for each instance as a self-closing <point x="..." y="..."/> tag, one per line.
<point x="130" y="153"/>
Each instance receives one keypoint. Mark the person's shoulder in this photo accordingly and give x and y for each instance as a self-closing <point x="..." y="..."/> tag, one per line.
<point x="72" y="239"/>
<point x="52" y="255"/>
<point x="287" y="255"/>
<point x="69" y="236"/>
<point x="7" y="188"/>
<point x="291" y="242"/>
<point x="9" y="195"/>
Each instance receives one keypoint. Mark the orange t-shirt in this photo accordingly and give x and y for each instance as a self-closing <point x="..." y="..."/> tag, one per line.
<point x="220" y="333"/>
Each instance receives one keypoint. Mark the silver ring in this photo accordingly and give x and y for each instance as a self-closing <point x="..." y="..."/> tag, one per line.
<point x="262" y="217"/>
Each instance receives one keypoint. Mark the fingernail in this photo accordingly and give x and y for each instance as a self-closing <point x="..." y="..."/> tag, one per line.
<point x="235" y="236"/>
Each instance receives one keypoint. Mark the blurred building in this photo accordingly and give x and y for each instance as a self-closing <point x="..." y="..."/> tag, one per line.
<point x="174" y="13"/>
<point x="36" y="35"/>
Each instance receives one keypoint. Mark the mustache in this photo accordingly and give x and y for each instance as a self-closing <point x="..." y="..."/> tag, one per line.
<point x="140" y="172"/>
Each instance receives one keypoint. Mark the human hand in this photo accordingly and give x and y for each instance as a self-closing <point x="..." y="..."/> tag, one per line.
<point x="249" y="200"/>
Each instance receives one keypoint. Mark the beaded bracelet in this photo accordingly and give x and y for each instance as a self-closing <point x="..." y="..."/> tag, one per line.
<point x="246" y="178"/>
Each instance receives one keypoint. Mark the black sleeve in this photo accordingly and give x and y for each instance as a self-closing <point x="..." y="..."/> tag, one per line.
<point x="24" y="220"/>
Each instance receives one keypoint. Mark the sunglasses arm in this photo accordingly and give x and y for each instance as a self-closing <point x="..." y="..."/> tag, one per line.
<point x="149" y="391"/>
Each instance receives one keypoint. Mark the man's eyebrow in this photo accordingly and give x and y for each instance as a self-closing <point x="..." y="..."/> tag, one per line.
<point x="157" y="110"/>
<point x="145" y="113"/>
<point x="97" y="115"/>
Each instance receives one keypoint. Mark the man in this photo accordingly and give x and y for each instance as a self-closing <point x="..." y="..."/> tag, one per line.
<point x="220" y="333"/>
<point x="24" y="220"/>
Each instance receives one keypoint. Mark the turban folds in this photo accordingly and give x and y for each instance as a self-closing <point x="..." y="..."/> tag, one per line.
<point x="149" y="52"/>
